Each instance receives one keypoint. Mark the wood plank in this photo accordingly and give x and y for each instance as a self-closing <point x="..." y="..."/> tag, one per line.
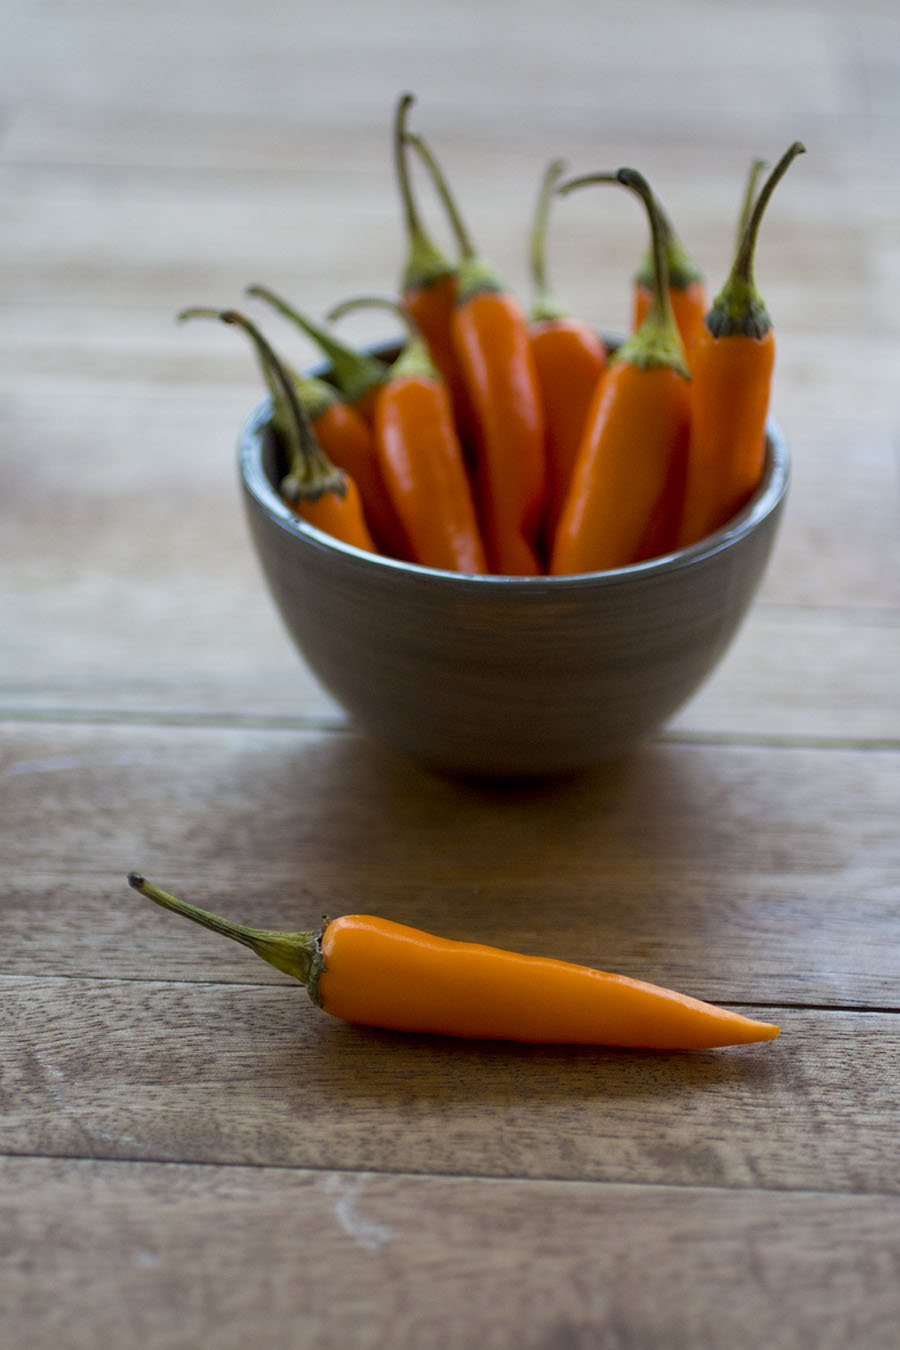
<point x="175" y="1257"/>
<point x="249" y="1074"/>
<point x="744" y="874"/>
<point x="223" y="61"/>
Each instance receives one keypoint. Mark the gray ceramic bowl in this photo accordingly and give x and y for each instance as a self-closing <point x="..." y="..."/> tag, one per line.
<point x="506" y="677"/>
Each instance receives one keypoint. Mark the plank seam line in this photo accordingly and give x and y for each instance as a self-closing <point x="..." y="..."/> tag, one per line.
<point x="176" y="981"/>
<point x="496" y="1178"/>
<point x="332" y="725"/>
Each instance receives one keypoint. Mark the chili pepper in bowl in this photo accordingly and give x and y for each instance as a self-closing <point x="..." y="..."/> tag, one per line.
<point x="632" y="454"/>
<point x="429" y="282"/>
<point x="569" y="359"/>
<point x="490" y="335"/>
<point x="731" y="363"/>
<point x="374" y="972"/>
<point x="316" y="488"/>
<point x="421" y="456"/>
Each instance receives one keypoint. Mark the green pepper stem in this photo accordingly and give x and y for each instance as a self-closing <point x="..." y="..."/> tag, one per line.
<point x="657" y="342"/>
<point x="544" y="304"/>
<point x="354" y="372"/>
<point x="425" y="263"/>
<point x="295" y="954"/>
<point x="475" y="272"/>
<point x="738" y="309"/>
<point x="310" y="471"/>
<point x="757" y="167"/>
<point x="466" y="247"/>
<point x="415" y="358"/>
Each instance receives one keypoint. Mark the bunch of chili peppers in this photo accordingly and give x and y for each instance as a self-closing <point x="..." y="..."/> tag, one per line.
<point x="513" y="440"/>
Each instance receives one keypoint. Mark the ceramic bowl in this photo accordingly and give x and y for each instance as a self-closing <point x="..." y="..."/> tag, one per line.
<point x="506" y="677"/>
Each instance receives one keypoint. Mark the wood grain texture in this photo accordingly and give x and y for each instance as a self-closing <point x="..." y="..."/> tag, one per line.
<point x="737" y="873"/>
<point x="177" y="1256"/>
<point x="232" y="1074"/>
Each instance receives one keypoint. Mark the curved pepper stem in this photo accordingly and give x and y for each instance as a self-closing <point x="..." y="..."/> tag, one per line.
<point x="475" y="273"/>
<point x="295" y="954"/>
<point x="657" y="342"/>
<point x="310" y="472"/>
<point x="738" y="308"/>
<point x="425" y="263"/>
<point x="354" y="372"/>
<point x="415" y="358"/>
<point x="544" y="304"/>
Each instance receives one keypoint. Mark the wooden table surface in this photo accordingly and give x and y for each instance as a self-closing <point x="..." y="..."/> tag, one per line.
<point x="193" y="1155"/>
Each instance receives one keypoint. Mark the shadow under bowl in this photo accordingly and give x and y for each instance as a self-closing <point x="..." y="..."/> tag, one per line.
<point x="507" y="677"/>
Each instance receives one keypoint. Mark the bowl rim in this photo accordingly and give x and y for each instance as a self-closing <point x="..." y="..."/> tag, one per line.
<point x="767" y="498"/>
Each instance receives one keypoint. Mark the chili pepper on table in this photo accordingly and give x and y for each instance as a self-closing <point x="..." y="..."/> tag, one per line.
<point x="731" y="362"/>
<point x="428" y="283"/>
<point x="421" y="457"/>
<point x="687" y="285"/>
<point x="629" y="466"/>
<point x="490" y="335"/>
<point x="569" y="359"/>
<point x="314" y="487"/>
<point x="356" y="374"/>
<point x="374" y="972"/>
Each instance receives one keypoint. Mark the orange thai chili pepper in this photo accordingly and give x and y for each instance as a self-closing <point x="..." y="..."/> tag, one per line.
<point x="428" y="283"/>
<point x="356" y="374"/>
<point x="732" y="362"/>
<point x="377" y="973"/>
<point x="314" y="487"/>
<point x="349" y="442"/>
<point x="636" y="432"/>
<point x="569" y="359"/>
<point x="490" y="334"/>
<point x="687" y="286"/>
<point x="421" y="457"/>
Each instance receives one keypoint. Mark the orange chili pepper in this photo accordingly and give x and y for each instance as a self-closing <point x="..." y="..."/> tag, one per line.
<point x="636" y="432"/>
<point x="373" y="972"/>
<point x="421" y="456"/>
<point x="732" y="362"/>
<point x="490" y="334"/>
<point x="569" y="359"/>
<point x="356" y="374"/>
<point x="428" y="283"/>
<point x="687" y="286"/>
<point x="349" y="442"/>
<point x="314" y="487"/>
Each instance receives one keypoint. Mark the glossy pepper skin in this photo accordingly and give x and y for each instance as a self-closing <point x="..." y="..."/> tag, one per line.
<point x="424" y="467"/>
<point x="489" y="330"/>
<point x="569" y="359"/>
<point x="375" y="972"/>
<point x="348" y="441"/>
<point x="635" y="441"/>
